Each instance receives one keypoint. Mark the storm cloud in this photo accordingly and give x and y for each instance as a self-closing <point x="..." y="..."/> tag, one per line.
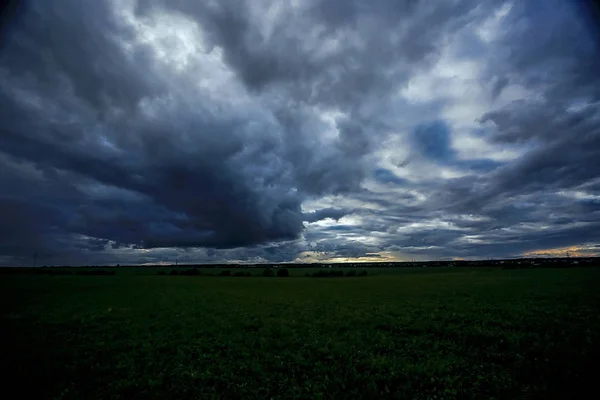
<point x="249" y="131"/>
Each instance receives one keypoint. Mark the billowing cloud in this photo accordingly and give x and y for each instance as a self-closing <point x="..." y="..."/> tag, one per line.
<point x="149" y="131"/>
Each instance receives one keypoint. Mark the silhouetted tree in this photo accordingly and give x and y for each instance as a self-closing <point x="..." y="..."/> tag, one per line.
<point x="283" y="272"/>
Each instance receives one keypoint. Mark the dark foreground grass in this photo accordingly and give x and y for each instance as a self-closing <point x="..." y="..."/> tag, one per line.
<point x="452" y="333"/>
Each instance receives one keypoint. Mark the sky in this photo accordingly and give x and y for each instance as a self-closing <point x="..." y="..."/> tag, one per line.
<point x="252" y="131"/>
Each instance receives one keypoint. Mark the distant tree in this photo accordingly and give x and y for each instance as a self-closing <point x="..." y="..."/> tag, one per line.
<point x="351" y="273"/>
<point x="268" y="272"/>
<point x="225" y="273"/>
<point x="191" y="271"/>
<point x="283" y="272"/>
<point x="362" y="273"/>
<point x="96" y="272"/>
<point x="328" y="274"/>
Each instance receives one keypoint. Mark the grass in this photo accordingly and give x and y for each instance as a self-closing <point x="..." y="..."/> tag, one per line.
<point x="414" y="333"/>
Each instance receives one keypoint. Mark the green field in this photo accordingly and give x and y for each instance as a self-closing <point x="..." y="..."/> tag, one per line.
<point x="402" y="333"/>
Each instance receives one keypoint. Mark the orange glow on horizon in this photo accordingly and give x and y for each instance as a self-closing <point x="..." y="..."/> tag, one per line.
<point x="573" y="251"/>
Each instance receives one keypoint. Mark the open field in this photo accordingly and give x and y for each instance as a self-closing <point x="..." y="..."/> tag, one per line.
<point x="397" y="333"/>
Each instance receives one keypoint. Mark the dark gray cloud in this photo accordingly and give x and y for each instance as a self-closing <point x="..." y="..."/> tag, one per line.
<point x="151" y="131"/>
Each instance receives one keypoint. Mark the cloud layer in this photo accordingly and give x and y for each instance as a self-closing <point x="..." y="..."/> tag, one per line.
<point x="148" y="131"/>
